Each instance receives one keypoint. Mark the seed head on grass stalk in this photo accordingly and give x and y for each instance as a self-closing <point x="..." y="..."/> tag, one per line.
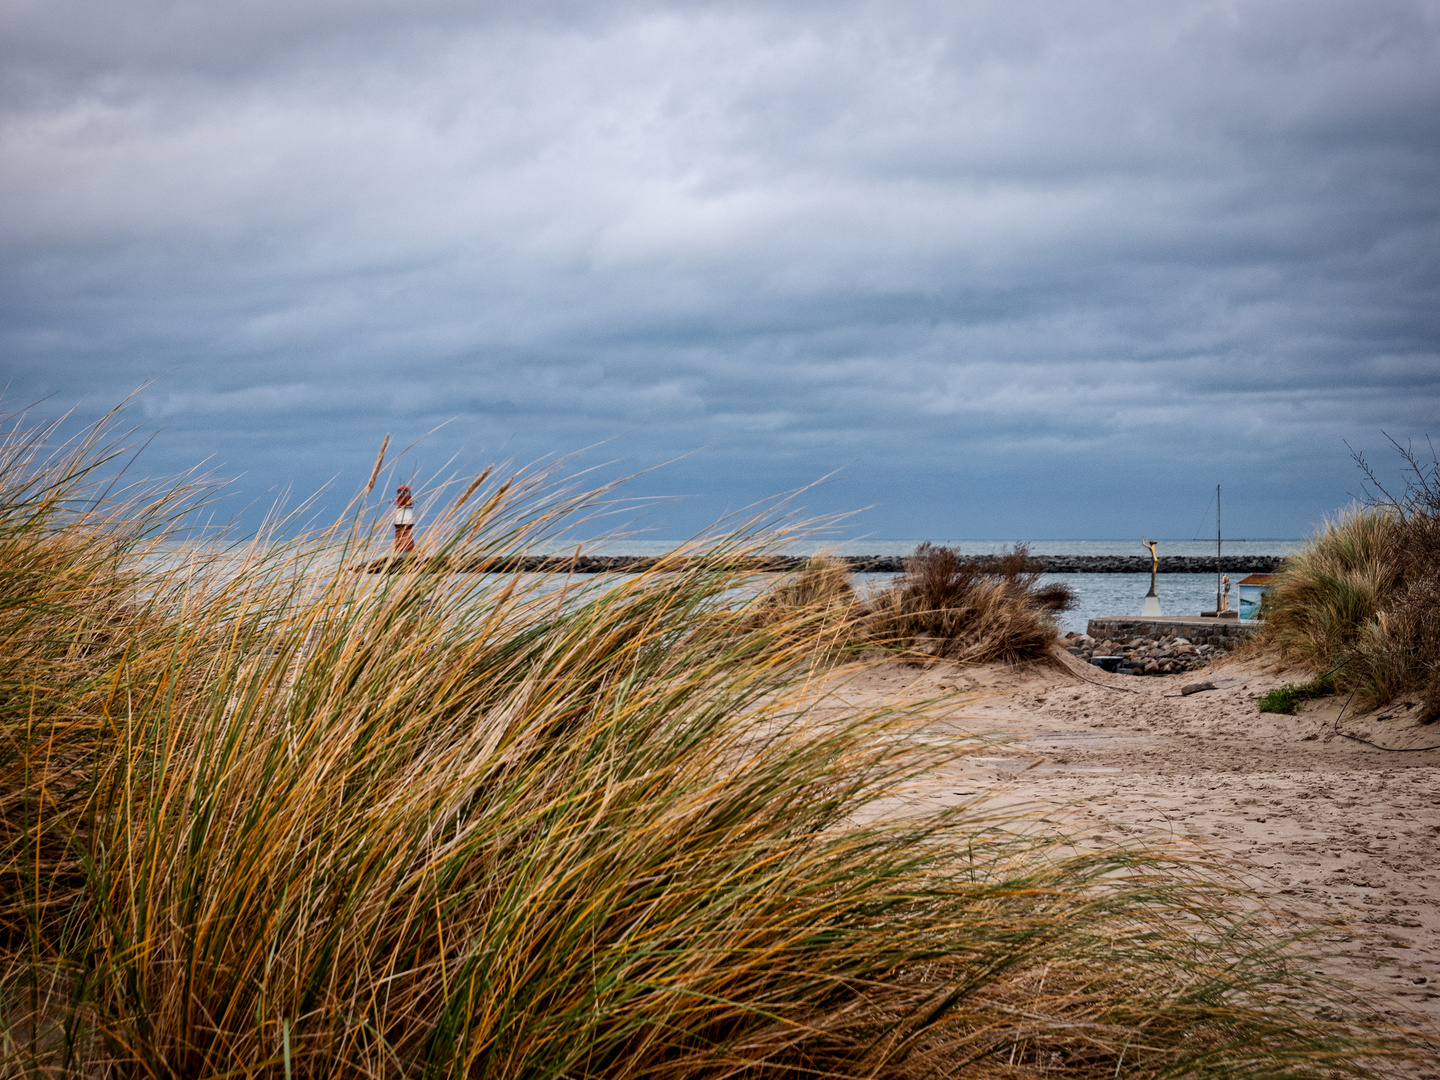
<point x="414" y="824"/>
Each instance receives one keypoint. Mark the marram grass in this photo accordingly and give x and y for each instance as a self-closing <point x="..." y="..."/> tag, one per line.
<point x="1360" y="603"/>
<point x="276" y="818"/>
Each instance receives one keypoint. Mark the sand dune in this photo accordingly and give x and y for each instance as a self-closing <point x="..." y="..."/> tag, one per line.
<point x="1329" y="826"/>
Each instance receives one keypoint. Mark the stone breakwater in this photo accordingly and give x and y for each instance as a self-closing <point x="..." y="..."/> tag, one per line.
<point x="1141" y="645"/>
<point x="784" y="564"/>
<point x="1162" y="655"/>
<point x="1169" y="564"/>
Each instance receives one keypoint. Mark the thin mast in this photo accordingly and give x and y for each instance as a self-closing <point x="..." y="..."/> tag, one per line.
<point x="1218" y="573"/>
<point x="1219" y="541"/>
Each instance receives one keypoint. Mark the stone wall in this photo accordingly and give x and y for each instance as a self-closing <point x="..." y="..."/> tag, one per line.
<point x="1169" y="564"/>
<point x="858" y="564"/>
<point x="789" y="563"/>
<point x="1088" y="564"/>
<point x="1217" y="633"/>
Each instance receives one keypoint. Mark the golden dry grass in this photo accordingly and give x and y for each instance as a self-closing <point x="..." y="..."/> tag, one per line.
<point x="969" y="611"/>
<point x="278" y="818"/>
<point x="1361" y="604"/>
<point x="972" y="611"/>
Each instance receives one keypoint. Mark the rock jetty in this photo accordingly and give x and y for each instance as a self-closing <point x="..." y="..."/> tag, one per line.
<point x="784" y="564"/>
<point x="1169" y="564"/>
<point x="1165" y="655"/>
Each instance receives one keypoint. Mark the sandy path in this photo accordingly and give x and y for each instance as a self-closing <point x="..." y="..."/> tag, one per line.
<point x="1332" y="826"/>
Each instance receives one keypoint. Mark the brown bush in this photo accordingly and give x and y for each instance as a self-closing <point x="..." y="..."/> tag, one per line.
<point x="818" y="605"/>
<point x="971" y="609"/>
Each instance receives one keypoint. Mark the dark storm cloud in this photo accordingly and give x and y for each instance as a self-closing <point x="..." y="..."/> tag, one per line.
<point x="1023" y="260"/>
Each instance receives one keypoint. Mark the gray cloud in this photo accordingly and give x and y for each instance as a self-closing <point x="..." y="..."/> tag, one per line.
<point x="1053" y="267"/>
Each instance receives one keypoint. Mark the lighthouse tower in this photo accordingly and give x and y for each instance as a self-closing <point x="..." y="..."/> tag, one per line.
<point x="404" y="521"/>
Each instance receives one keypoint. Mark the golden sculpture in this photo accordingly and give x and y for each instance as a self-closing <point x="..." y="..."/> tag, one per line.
<point x="1152" y="599"/>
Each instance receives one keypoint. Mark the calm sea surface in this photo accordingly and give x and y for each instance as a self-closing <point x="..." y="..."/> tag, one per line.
<point x="1098" y="594"/>
<point x="1116" y="594"/>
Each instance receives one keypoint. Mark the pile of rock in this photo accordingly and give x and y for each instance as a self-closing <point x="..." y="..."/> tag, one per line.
<point x="1142" y="655"/>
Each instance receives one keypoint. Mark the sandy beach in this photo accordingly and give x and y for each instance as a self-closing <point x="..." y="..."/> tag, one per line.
<point x="1330" y="827"/>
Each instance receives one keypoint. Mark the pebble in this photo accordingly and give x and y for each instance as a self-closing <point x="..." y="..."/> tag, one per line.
<point x="1150" y="656"/>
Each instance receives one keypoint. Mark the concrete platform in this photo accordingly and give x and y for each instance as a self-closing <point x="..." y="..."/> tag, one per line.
<point x="1196" y="628"/>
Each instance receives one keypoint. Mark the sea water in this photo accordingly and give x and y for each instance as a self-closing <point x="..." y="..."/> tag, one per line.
<point x="1096" y="594"/>
<point x="1114" y="594"/>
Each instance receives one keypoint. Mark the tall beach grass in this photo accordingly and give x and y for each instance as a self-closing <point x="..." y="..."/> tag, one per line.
<point x="283" y="819"/>
<point x="1361" y="601"/>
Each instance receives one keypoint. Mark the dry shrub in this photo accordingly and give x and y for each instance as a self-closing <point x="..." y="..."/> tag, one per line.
<point x="972" y="609"/>
<point x="1362" y="600"/>
<point x="818" y="606"/>
<point x="279" y="819"/>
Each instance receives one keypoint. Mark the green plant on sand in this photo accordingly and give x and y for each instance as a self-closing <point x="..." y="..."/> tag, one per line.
<point x="1362" y="599"/>
<point x="266" y="816"/>
<point x="1285" y="699"/>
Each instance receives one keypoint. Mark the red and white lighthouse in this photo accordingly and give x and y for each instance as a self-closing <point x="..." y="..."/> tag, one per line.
<point x="404" y="520"/>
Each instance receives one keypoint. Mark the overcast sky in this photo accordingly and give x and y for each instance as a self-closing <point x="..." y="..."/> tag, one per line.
<point x="1025" y="268"/>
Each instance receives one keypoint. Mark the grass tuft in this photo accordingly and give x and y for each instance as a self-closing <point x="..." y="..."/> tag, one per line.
<point x="971" y="610"/>
<point x="262" y="816"/>
<point x="968" y="610"/>
<point x="818" y="606"/>
<point x="1363" y="597"/>
<point x="1285" y="699"/>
